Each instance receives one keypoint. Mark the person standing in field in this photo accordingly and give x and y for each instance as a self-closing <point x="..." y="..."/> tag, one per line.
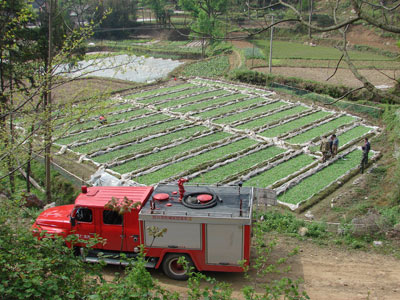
<point x="365" y="151"/>
<point x="335" y="145"/>
<point x="325" y="148"/>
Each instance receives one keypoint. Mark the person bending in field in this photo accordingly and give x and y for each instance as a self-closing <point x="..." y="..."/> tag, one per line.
<point x="102" y="120"/>
<point x="325" y="148"/>
<point x="335" y="145"/>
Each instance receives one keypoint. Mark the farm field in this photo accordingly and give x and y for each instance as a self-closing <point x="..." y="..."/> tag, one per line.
<point x="163" y="133"/>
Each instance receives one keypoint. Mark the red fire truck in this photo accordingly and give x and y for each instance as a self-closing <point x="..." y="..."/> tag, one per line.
<point x="210" y="226"/>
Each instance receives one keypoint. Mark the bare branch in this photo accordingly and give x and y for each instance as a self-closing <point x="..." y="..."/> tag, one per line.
<point x="337" y="67"/>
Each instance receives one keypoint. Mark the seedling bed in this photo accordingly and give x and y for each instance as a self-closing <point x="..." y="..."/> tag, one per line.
<point x="290" y="125"/>
<point x="201" y="161"/>
<point x="192" y="99"/>
<point x="170" y="154"/>
<point x="261" y="121"/>
<point x="318" y="179"/>
<point x="234" y="107"/>
<point x="104" y="132"/>
<point x="147" y="144"/>
<point x="326" y="128"/>
<point x="112" y="120"/>
<point x="130" y="136"/>
<point x="237" y="167"/>
<point x="182" y="94"/>
<point x="160" y="91"/>
<point x="210" y="103"/>
<point x="282" y="170"/>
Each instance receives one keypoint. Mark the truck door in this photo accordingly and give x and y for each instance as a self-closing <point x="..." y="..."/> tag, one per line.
<point x="85" y="226"/>
<point x="112" y="230"/>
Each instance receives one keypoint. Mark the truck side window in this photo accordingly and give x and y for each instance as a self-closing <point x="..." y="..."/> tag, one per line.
<point x="84" y="214"/>
<point x="112" y="217"/>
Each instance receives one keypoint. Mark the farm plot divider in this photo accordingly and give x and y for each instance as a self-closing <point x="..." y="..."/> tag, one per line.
<point x="188" y="100"/>
<point x="160" y="91"/>
<point x="147" y="144"/>
<point x="193" y="108"/>
<point x="280" y="114"/>
<point x="197" y="161"/>
<point x="222" y="139"/>
<point x="233" y="168"/>
<point x="112" y="121"/>
<point x="315" y="181"/>
<point x="276" y="173"/>
<point x="182" y="94"/>
<point x="119" y="129"/>
<point x="171" y="151"/>
<point x="283" y="128"/>
<point x="237" y="106"/>
<point x="315" y="131"/>
<point x="237" y="87"/>
<point x="130" y="136"/>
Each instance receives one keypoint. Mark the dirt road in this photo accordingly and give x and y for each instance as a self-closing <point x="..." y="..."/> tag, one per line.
<point x="332" y="274"/>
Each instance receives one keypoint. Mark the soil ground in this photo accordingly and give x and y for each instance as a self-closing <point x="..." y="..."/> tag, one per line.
<point x="342" y="76"/>
<point x="327" y="273"/>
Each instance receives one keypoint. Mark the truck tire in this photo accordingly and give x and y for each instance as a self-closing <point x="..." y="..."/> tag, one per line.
<point x="173" y="269"/>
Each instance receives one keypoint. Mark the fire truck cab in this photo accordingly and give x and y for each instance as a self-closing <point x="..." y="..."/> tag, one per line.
<point x="210" y="226"/>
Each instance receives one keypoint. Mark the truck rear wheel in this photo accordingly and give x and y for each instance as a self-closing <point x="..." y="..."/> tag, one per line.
<point x="173" y="269"/>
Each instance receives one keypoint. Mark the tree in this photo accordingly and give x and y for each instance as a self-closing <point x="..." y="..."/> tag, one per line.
<point x="14" y="18"/>
<point x="207" y="22"/>
<point x="122" y="14"/>
<point x="375" y="14"/>
<point x="160" y="10"/>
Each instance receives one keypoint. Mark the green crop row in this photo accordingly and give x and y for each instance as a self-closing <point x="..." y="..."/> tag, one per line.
<point x="208" y="68"/>
<point x="157" y="91"/>
<point x="348" y="136"/>
<point x="101" y="132"/>
<point x="242" y="164"/>
<point x="320" y="180"/>
<point x="102" y="108"/>
<point x="127" y="137"/>
<point x="110" y="119"/>
<point x="200" y="97"/>
<point x="234" y="107"/>
<point x="196" y="161"/>
<point x="175" y="95"/>
<point x="280" y="171"/>
<point x="231" y="86"/>
<point x="274" y="117"/>
<point x="167" y="154"/>
<point x="210" y="103"/>
<point x="294" y="124"/>
<point x="149" y="144"/>
<point x="244" y="114"/>
<point x="321" y="130"/>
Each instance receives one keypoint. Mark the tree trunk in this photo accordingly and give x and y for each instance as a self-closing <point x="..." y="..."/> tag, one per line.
<point x="310" y="18"/>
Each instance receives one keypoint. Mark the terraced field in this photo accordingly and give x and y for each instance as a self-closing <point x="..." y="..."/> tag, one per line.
<point x="163" y="133"/>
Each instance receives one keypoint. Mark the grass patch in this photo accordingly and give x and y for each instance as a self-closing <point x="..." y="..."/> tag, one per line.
<point x="208" y="68"/>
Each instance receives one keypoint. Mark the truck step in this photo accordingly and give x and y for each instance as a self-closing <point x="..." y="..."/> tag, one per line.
<point x="113" y="261"/>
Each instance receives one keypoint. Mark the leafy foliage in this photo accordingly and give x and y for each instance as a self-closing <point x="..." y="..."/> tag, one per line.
<point x="213" y="67"/>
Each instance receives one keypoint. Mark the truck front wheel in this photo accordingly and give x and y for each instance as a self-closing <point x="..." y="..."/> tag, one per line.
<point x="175" y="270"/>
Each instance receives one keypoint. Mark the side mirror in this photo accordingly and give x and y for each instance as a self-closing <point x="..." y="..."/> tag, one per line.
<point x="72" y="220"/>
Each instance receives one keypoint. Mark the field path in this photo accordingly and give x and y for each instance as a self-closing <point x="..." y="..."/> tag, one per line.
<point x="327" y="273"/>
<point x="342" y="76"/>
